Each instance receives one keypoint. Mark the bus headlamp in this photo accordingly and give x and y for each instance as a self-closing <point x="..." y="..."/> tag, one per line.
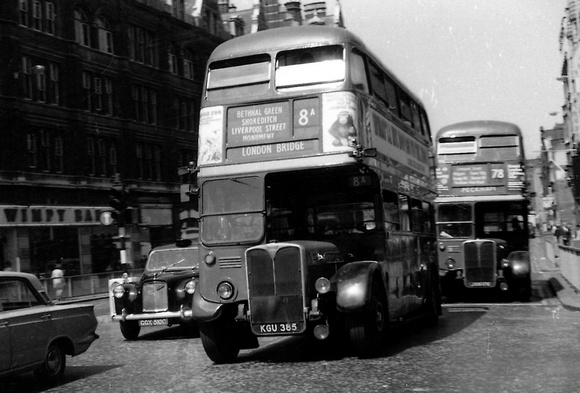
<point x="322" y="285"/>
<point x="209" y="259"/>
<point x="442" y="246"/>
<point x="225" y="290"/>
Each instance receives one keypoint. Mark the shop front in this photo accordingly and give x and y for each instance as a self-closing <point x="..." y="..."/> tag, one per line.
<point x="34" y="238"/>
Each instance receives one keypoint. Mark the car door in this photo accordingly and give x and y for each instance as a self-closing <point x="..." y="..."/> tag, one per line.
<point x="27" y="320"/>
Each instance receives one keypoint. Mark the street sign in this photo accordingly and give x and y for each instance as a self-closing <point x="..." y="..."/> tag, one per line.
<point x="106" y="218"/>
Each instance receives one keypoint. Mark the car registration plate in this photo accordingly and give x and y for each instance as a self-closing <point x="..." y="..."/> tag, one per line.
<point x="153" y="322"/>
<point x="280" y="328"/>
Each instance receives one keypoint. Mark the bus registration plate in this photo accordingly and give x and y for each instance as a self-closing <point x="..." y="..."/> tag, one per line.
<point x="280" y="328"/>
<point x="153" y="322"/>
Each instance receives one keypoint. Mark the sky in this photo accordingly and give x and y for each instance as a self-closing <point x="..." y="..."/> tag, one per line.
<point x="469" y="59"/>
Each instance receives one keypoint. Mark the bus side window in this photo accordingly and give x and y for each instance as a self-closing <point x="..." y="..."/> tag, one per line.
<point x="391" y="210"/>
<point x="405" y="107"/>
<point x="424" y="124"/>
<point x="404" y="213"/>
<point x="378" y="84"/>
<point x="358" y="73"/>
<point x="391" y="88"/>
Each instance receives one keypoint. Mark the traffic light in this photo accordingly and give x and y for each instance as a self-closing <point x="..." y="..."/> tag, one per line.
<point x="118" y="201"/>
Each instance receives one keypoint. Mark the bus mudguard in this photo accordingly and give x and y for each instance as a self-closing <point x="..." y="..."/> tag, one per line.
<point x="353" y="285"/>
<point x="204" y="311"/>
<point x="519" y="262"/>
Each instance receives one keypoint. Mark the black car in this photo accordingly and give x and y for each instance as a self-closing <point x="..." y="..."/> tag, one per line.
<point x="163" y="294"/>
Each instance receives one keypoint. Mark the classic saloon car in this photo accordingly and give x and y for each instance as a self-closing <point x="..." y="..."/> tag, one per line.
<point x="36" y="333"/>
<point x="163" y="294"/>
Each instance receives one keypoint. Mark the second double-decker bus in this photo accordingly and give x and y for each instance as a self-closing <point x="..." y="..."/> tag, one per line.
<point x="482" y="208"/>
<point x="316" y="190"/>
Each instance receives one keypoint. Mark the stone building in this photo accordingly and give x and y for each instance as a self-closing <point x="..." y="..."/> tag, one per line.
<point x="90" y="89"/>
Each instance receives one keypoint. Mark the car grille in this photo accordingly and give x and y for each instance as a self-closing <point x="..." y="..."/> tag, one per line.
<point x="480" y="263"/>
<point x="155" y="296"/>
<point x="275" y="285"/>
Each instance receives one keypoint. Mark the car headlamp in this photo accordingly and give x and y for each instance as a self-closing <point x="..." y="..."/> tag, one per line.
<point x="190" y="286"/>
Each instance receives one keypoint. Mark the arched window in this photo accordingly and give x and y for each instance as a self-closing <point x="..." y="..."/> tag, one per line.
<point x="82" y="31"/>
<point x="105" y="35"/>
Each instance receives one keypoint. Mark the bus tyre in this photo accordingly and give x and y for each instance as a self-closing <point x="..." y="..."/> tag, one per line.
<point x="54" y="363"/>
<point x="367" y="327"/>
<point x="130" y="329"/>
<point x="219" y="340"/>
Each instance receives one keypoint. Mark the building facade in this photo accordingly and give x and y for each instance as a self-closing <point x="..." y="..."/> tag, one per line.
<point x="270" y="14"/>
<point x="89" y="90"/>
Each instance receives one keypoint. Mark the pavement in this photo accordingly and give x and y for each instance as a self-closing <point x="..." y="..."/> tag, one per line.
<point x="567" y="294"/>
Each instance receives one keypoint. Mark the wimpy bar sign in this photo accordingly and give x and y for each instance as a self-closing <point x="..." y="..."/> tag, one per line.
<point x="255" y="124"/>
<point x="49" y="215"/>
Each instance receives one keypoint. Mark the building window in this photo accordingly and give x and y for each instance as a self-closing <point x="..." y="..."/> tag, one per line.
<point x="108" y="96"/>
<point x="188" y="65"/>
<point x="53" y="84"/>
<point x="23" y="12"/>
<point x="148" y="161"/>
<point x="58" y="155"/>
<point x="87" y="91"/>
<point x="82" y="30"/>
<point x="184" y="113"/>
<point x="37" y="15"/>
<point x="91" y="156"/>
<point x="50" y="156"/>
<point x="105" y="36"/>
<point x="144" y="104"/>
<point x="49" y="18"/>
<point x="31" y="149"/>
<point x="27" y="77"/>
<point x="172" y="61"/>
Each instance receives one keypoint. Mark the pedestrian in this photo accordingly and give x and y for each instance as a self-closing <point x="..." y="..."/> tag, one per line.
<point x="8" y="266"/>
<point x="567" y="235"/>
<point x="558" y="233"/>
<point x="58" y="283"/>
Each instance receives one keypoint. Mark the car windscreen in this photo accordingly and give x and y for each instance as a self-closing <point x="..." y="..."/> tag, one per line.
<point x="178" y="258"/>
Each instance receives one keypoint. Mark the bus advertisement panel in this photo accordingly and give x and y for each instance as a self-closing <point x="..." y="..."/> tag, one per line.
<point x="482" y="210"/>
<point x="316" y="193"/>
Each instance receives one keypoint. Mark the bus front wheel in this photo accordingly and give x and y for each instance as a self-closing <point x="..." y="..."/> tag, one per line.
<point x="367" y="327"/>
<point x="219" y="340"/>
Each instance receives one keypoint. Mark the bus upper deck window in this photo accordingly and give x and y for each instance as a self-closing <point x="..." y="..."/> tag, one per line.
<point x="310" y="66"/>
<point x="239" y="77"/>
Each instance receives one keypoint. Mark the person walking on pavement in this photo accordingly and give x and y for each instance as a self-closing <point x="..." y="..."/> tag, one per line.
<point x="57" y="277"/>
<point x="558" y="233"/>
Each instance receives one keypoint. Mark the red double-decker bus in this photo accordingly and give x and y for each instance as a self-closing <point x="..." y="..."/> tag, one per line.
<point x="316" y="189"/>
<point x="482" y="208"/>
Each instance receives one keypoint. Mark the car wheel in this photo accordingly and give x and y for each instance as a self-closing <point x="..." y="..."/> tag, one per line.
<point x="367" y="327"/>
<point x="219" y="340"/>
<point x="54" y="363"/>
<point x="130" y="329"/>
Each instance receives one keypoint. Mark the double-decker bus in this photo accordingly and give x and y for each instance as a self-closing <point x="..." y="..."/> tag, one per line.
<point x="316" y="189"/>
<point x="482" y="208"/>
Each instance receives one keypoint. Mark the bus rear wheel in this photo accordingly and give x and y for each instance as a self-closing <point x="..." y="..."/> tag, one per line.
<point x="367" y="327"/>
<point x="219" y="340"/>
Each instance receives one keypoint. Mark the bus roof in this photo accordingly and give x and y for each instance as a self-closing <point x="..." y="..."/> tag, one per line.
<point x="485" y="127"/>
<point x="284" y="38"/>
